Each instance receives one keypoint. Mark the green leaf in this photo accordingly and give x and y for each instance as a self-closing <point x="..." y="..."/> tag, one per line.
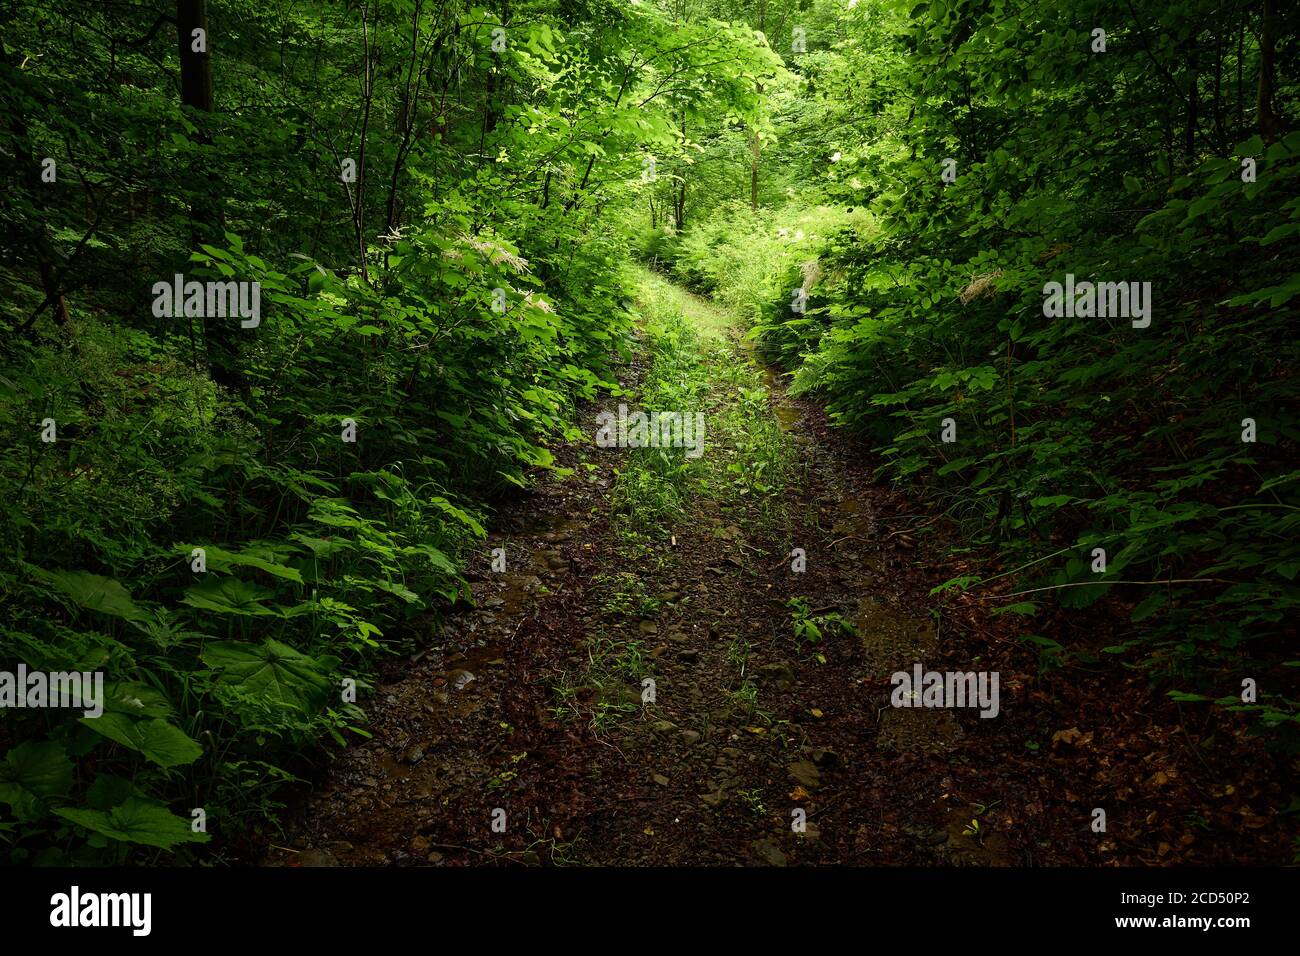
<point x="219" y="559"/>
<point x="137" y="820"/>
<point x="1044" y="642"/>
<point x="459" y="514"/>
<point x="1051" y="501"/>
<point x="271" y="670"/>
<point x="108" y="791"/>
<point x="1278" y="233"/>
<point x="1024" y="608"/>
<point x="97" y="593"/>
<point x="164" y="744"/>
<point x="32" y="773"/>
<point x="136" y="700"/>
<point x="1185" y="698"/>
<point x="962" y="582"/>
<point x="230" y="596"/>
<point x="1148" y="606"/>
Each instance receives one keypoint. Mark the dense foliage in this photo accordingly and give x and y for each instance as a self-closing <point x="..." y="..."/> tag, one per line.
<point x="1165" y="152"/>
<point x="438" y="201"/>
<point x="425" y="192"/>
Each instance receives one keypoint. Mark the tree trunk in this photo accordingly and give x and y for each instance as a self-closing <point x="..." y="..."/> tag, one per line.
<point x="1220" y="134"/>
<point x="1193" y="104"/>
<point x="755" y="147"/>
<point x="205" y="210"/>
<point x="1268" y="123"/>
<point x="196" y="65"/>
<point x="196" y="93"/>
<point x="755" y="154"/>
<point x="679" y="197"/>
<point x="46" y="256"/>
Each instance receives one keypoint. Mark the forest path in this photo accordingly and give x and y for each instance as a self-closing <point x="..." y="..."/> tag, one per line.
<point x="768" y="737"/>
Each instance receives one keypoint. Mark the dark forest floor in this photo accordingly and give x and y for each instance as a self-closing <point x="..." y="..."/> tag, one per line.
<point x="532" y="702"/>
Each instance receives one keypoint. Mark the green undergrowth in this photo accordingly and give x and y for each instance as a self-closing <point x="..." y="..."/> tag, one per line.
<point x="697" y="366"/>
<point x="233" y="521"/>
<point x="1138" y="484"/>
<point x="611" y="685"/>
<point x="233" y="564"/>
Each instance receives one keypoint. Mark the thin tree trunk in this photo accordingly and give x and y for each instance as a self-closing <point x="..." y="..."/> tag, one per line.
<point x="1220" y="135"/>
<point x="408" y="110"/>
<point x="195" y="50"/>
<point x="755" y="147"/>
<point x="196" y="93"/>
<point x="679" y="199"/>
<point x="1193" y="104"/>
<point x="1268" y="122"/>
<point x="196" y="65"/>
<point x="46" y="255"/>
<point x="367" y="96"/>
<point x="1241" y="54"/>
<point x="755" y="154"/>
